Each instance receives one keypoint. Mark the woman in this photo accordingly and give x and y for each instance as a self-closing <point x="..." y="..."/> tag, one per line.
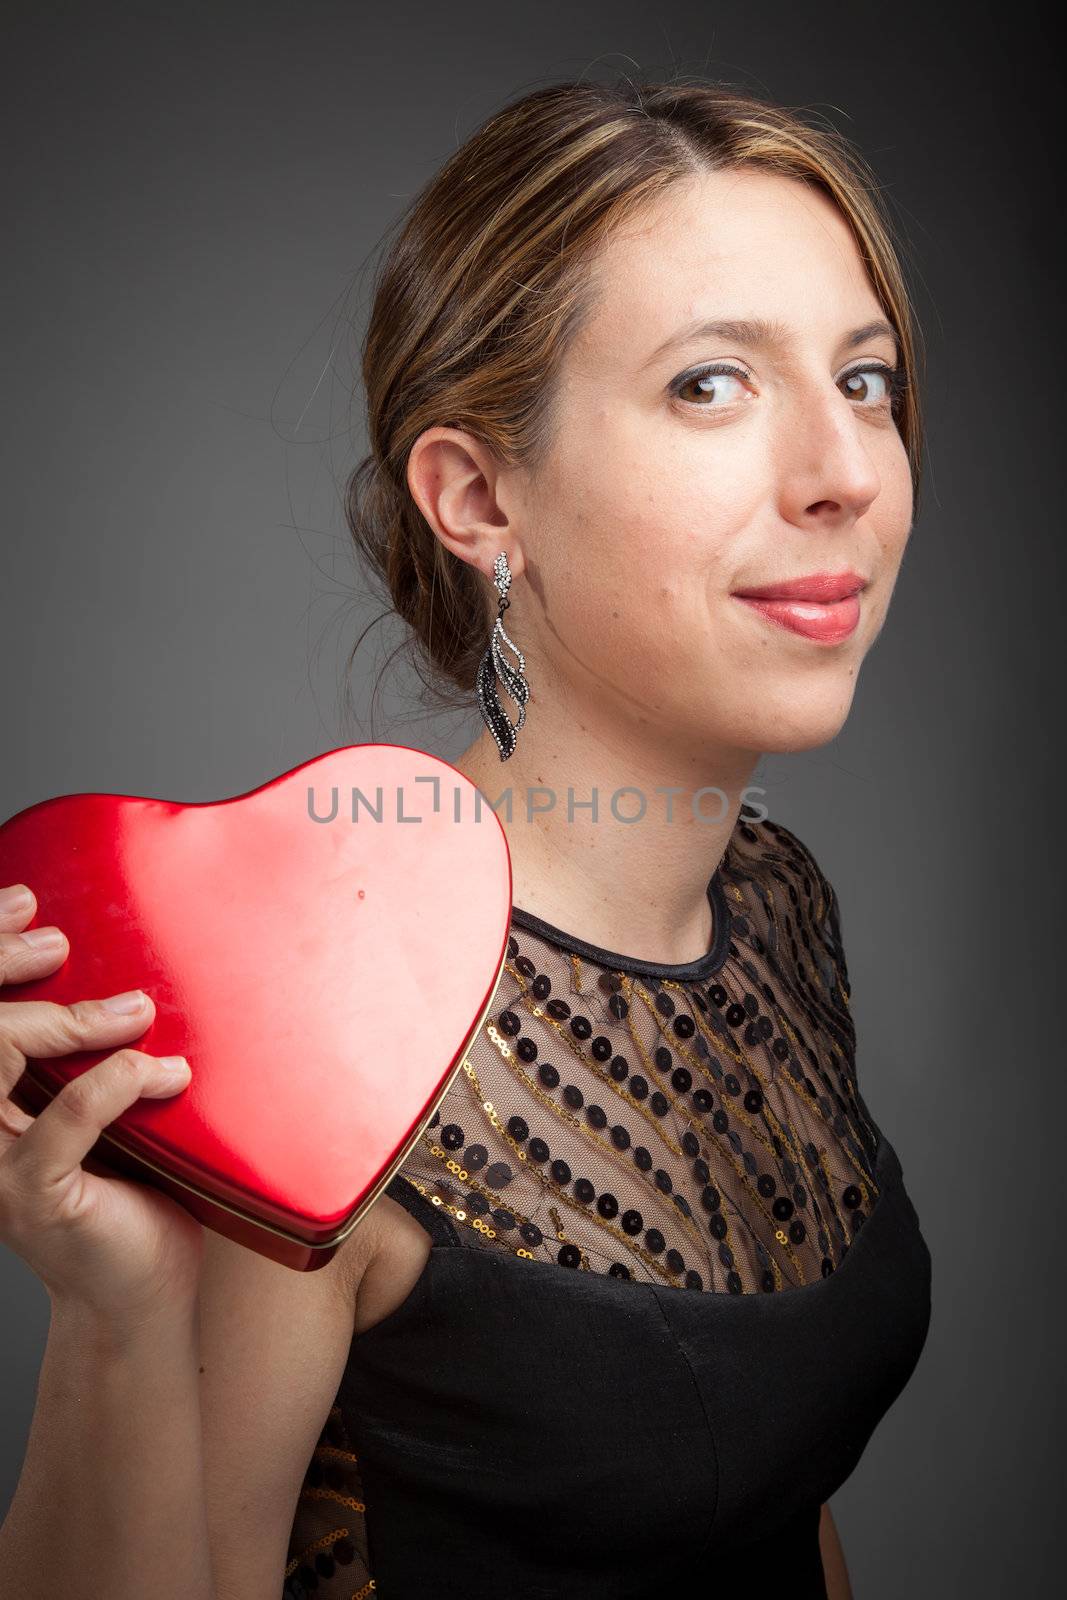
<point x="640" y="372"/>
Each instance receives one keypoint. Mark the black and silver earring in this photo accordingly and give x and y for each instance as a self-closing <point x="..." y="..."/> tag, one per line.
<point x="494" y="665"/>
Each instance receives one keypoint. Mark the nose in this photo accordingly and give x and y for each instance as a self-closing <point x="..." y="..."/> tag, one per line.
<point x="828" y="475"/>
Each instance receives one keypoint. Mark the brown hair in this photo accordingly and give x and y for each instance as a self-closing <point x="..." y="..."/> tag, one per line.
<point x="487" y="282"/>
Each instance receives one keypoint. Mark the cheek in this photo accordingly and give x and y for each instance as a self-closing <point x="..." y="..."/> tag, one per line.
<point x="635" y="567"/>
<point x="644" y="552"/>
<point x="890" y="522"/>
<point x="652" y="506"/>
<point x="892" y="518"/>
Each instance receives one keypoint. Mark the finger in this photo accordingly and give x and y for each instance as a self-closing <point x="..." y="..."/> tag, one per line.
<point x="46" y="1028"/>
<point x="32" y="954"/>
<point x="67" y="1129"/>
<point x="18" y="906"/>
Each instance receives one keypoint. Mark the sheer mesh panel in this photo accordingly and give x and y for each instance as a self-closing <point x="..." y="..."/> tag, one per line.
<point x="702" y="1133"/>
<point x="328" y="1542"/>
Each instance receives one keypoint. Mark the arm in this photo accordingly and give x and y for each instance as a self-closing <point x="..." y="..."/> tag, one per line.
<point x="185" y="1378"/>
<point x="168" y="1462"/>
<point x="833" y="1558"/>
<point x="111" y="1497"/>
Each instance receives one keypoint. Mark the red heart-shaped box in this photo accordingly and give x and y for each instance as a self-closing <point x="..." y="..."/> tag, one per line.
<point x="322" y="949"/>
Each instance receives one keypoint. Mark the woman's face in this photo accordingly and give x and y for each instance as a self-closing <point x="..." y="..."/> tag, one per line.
<point x="668" y="489"/>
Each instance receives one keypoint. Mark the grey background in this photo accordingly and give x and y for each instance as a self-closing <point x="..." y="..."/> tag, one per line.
<point x="192" y="199"/>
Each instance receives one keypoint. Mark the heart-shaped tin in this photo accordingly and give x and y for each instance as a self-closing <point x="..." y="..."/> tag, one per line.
<point x="322" y="949"/>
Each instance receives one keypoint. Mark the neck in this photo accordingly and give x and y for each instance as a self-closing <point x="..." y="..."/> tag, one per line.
<point x="638" y="887"/>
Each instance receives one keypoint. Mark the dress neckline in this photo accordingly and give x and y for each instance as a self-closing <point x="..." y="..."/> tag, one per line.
<point x="699" y="1304"/>
<point x="696" y="971"/>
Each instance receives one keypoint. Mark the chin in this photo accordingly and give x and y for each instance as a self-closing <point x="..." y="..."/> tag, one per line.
<point x="803" y="739"/>
<point x="785" y="723"/>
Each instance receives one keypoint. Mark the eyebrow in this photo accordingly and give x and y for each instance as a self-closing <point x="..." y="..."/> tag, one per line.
<point x="756" y="332"/>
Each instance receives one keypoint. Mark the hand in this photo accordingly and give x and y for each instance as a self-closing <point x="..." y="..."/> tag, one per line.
<point x="120" y="1251"/>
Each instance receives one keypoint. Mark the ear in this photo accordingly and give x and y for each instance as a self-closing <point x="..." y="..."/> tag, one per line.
<point x="459" y="486"/>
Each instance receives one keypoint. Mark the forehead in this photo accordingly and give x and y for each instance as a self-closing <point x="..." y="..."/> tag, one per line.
<point x="738" y="243"/>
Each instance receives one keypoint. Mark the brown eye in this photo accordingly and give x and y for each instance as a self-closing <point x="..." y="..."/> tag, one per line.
<point x="712" y="387"/>
<point x="872" y="386"/>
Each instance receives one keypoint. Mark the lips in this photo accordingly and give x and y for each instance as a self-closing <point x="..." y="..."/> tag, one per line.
<point x="819" y="588"/>
<point x="824" y="606"/>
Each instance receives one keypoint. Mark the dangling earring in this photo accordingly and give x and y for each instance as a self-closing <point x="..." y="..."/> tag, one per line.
<point x="494" y="665"/>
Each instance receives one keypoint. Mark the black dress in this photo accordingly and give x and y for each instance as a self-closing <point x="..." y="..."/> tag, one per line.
<point x="675" y="1279"/>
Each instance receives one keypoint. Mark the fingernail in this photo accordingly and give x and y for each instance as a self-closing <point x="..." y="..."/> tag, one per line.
<point x="175" y="1063"/>
<point x="125" y="1004"/>
<point x="15" y="898"/>
<point x="38" y="938"/>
